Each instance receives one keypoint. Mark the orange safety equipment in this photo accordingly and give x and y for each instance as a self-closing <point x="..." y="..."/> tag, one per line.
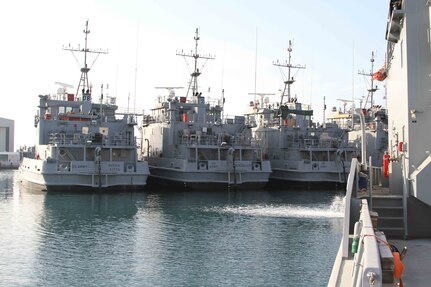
<point x="386" y="157"/>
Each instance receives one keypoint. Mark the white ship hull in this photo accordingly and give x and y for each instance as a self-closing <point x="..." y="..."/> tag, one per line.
<point x="84" y="175"/>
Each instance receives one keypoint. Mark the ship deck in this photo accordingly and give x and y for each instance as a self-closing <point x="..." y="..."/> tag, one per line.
<point x="418" y="256"/>
<point x="416" y="262"/>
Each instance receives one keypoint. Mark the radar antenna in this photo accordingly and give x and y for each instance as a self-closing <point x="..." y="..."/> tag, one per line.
<point x="194" y="80"/>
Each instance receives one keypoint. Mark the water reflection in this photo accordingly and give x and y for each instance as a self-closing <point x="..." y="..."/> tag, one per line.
<point x="19" y="212"/>
<point x="167" y="238"/>
<point x="6" y="183"/>
<point x="82" y="235"/>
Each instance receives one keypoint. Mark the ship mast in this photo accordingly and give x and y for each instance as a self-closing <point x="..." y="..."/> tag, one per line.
<point x="372" y="89"/>
<point x="83" y="82"/>
<point x="290" y="80"/>
<point x="194" y="80"/>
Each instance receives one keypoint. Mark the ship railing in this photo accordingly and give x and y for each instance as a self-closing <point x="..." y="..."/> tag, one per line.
<point x="377" y="175"/>
<point x="155" y="119"/>
<point x="255" y="143"/>
<point x="250" y="122"/>
<point x="351" y="190"/>
<point x="389" y="51"/>
<point x="195" y="139"/>
<point x="132" y="119"/>
<point x="57" y="138"/>
<point x="147" y="120"/>
<point x="316" y="143"/>
<point x="366" y="261"/>
<point x="350" y="144"/>
<point x="117" y="139"/>
<point x="208" y="140"/>
<point x="327" y="143"/>
<point x="367" y="270"/>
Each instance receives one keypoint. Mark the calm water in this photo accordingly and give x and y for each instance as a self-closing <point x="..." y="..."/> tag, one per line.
<point x="219" y="238"/>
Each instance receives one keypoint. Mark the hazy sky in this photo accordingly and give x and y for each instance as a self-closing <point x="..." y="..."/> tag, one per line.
<point x="333" y="39"/>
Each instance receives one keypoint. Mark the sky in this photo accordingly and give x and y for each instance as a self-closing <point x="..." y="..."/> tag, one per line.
<point x="333" y="39"/>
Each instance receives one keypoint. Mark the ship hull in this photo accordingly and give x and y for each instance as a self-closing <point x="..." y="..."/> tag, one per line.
<point x="305" y="171"/>
<point x="308" y="176"/>
<point x="197" y="179"/>
<point x="42" y="175"/>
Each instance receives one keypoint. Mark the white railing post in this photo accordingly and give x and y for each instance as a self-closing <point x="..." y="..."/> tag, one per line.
<point x="370" y="166"/>
<point x="370" y="263"/>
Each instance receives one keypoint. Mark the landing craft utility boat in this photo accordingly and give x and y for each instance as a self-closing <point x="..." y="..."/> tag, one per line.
<point x="386" y="237"/>
<point x="369" y="121"/>
<point x="187" y="142"/>
<point x="81" y="144"/>
<point x="299" y="150"/>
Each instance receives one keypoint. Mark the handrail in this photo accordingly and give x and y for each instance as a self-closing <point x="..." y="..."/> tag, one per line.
<point x="351" y="180"/>
<point x="360" y="266"/>
<point x="359" y="113"/>
<point x="406" y="193"/>
<point x="370" y="182"/>
<point x="367" y="268"/>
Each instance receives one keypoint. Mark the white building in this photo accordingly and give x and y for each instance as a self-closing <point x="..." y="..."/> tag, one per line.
<point x="6" y="135"/>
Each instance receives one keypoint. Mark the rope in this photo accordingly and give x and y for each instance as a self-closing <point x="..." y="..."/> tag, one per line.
<point x="378" y="239"/>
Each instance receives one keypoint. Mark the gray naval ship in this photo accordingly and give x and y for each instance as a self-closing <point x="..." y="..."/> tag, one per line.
<point x="300" y="150"/>
<point x="386" y="239"/>
<point x="369" y="121"/>
<point x="81" y="144"/>
<point x="187" y="141"/>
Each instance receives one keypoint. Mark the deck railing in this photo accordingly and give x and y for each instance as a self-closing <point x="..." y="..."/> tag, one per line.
<point x="307" y="143"/>
<point x="366" y="269"/>
<point x="351" y="188"/>
<point x="119" y="139"/>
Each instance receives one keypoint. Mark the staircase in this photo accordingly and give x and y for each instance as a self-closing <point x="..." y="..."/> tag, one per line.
<point x="390" y="209"/>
